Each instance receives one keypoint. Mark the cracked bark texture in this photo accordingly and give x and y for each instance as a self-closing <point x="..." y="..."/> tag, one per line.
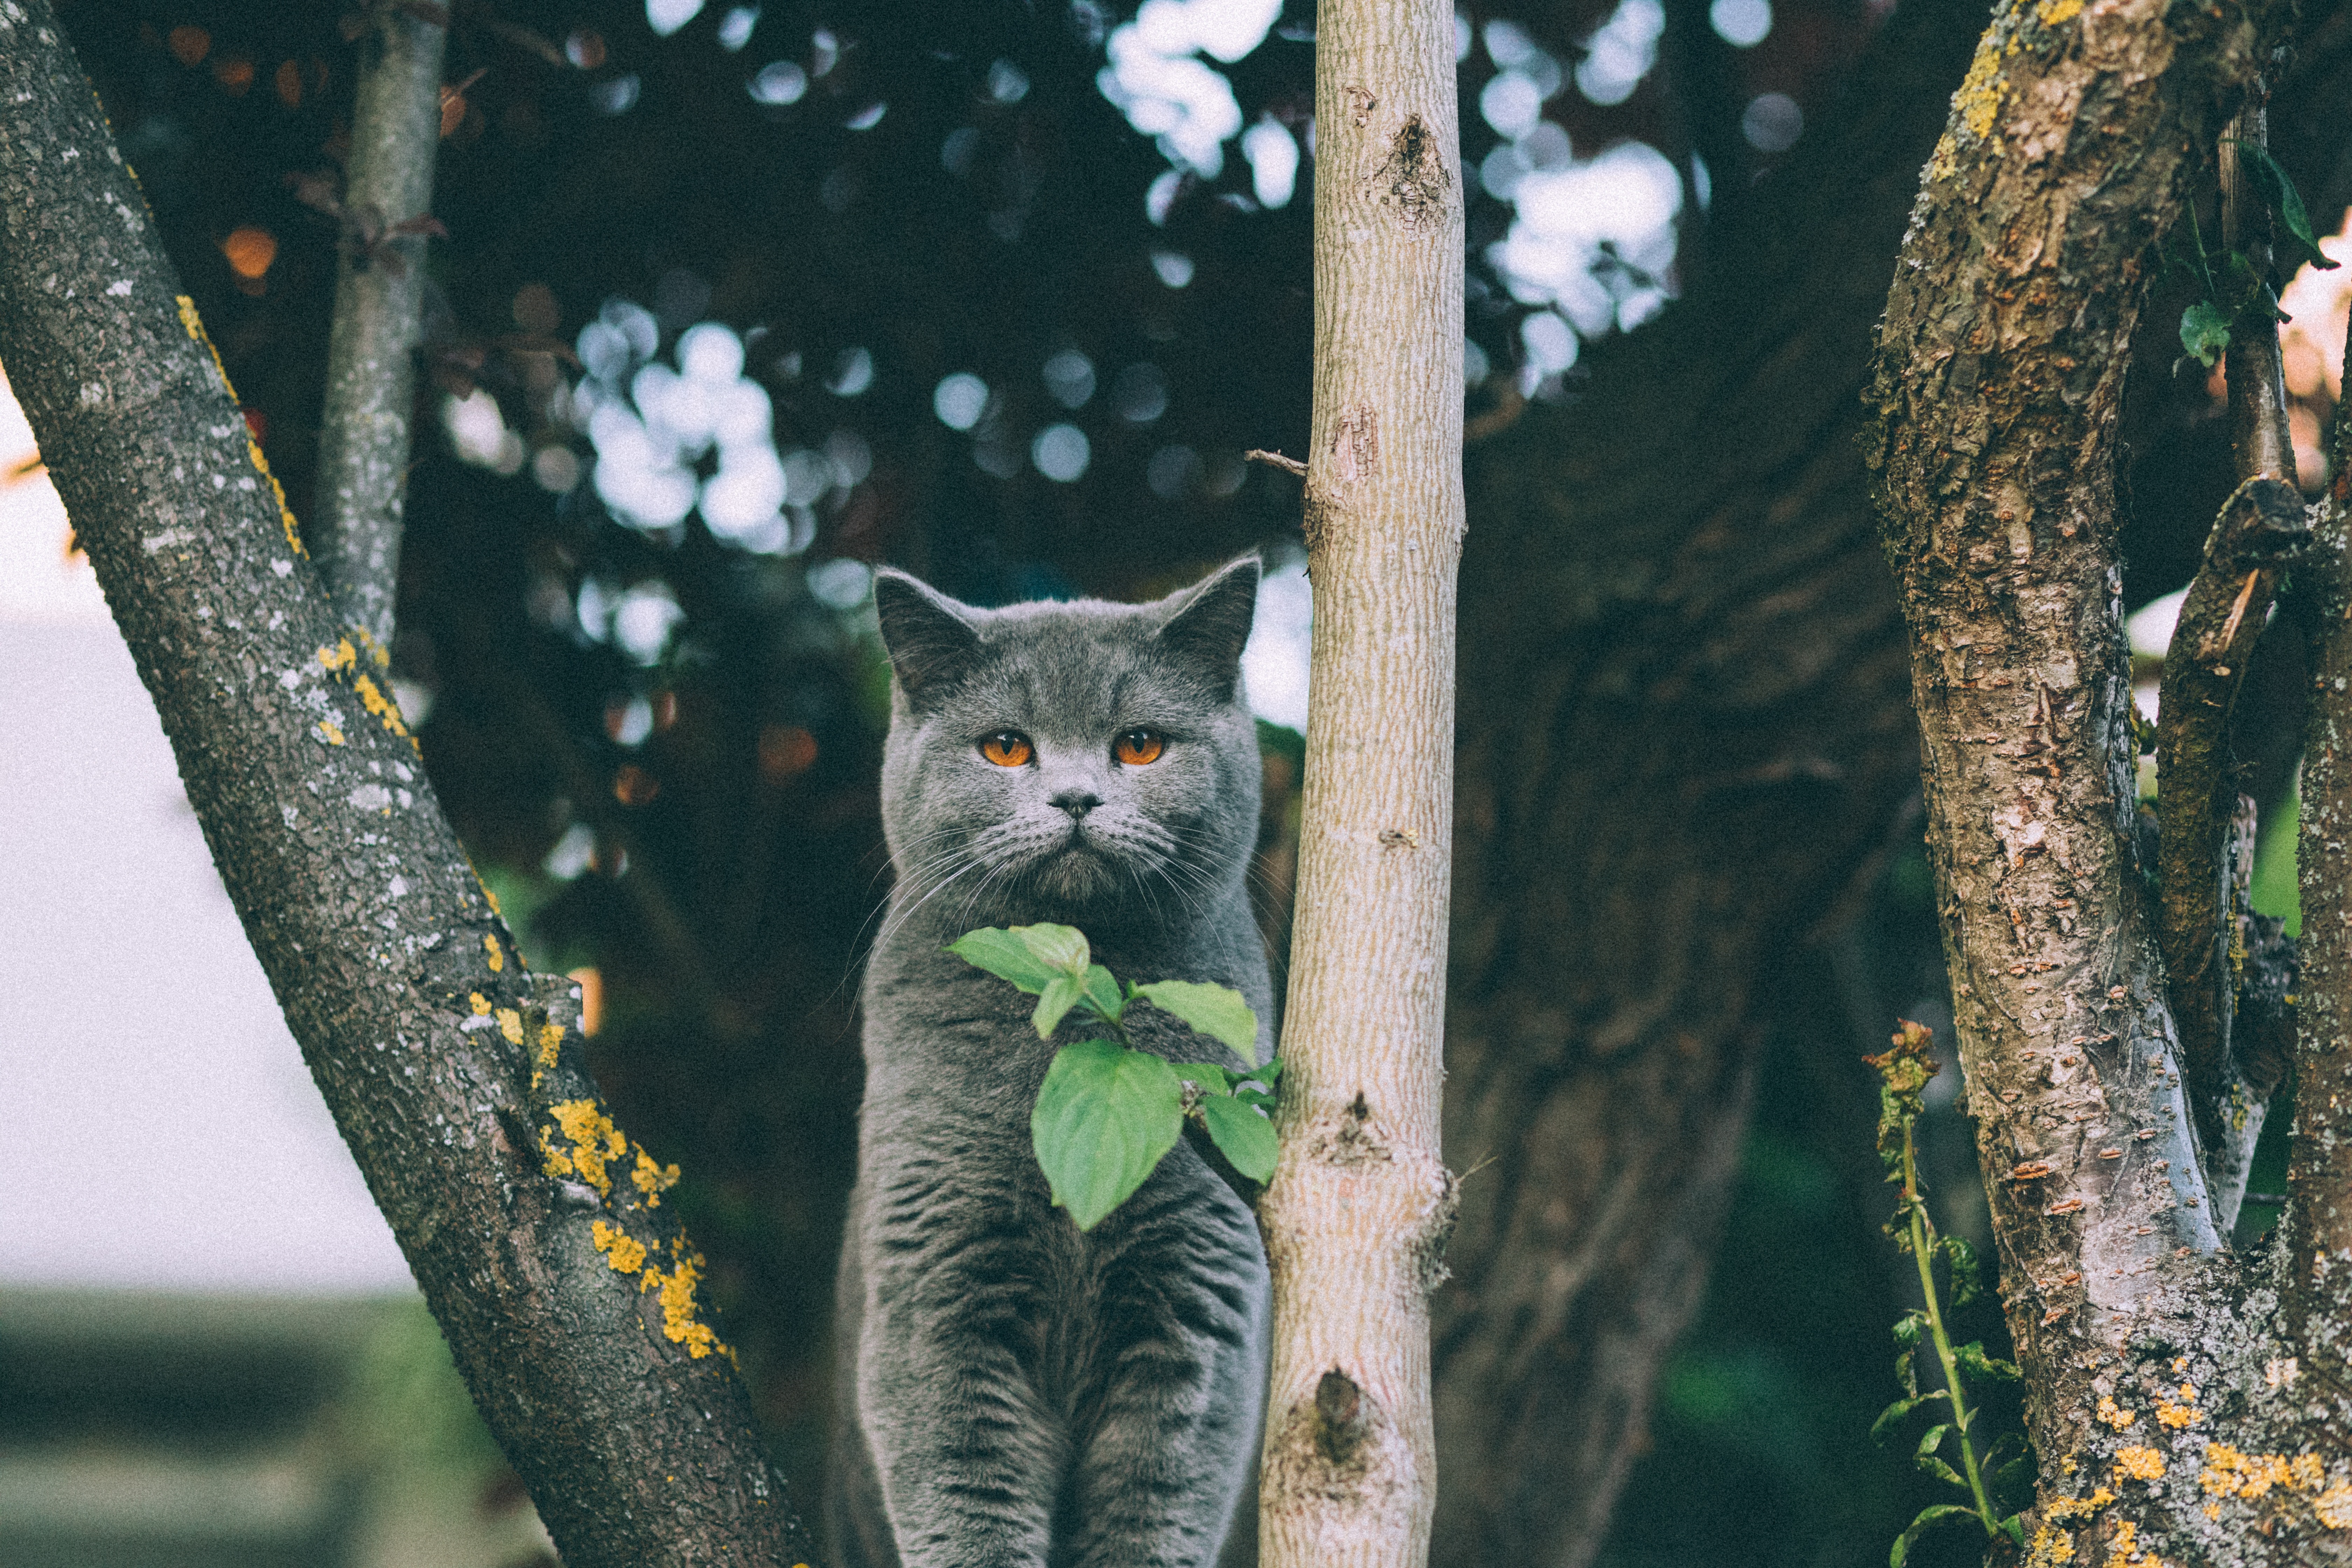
<point x="2172" y="1417"/>
<point x="566" y="1289"/>
<point x="1356" y="1215"/>
<point x="363" y="436"/>
<point x="1684" y="739"/>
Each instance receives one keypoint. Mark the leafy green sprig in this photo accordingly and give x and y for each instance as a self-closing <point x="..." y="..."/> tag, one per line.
<point x="2233" y="294"/>
<point x="2000" y="1483"/>
<point x="1109" y="1113"/>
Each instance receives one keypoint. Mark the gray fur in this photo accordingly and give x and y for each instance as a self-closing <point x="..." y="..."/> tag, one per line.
<point x="1010" y="1391"/>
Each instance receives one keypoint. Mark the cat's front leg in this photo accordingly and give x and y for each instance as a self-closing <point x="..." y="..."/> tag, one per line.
<point x="1182" y="1387"/>
<point x="967" y="1454"/>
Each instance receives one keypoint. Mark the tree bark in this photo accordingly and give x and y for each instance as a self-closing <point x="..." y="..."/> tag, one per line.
<point x="363" y="437"/>
<point x="1357" y="1214"/>
<point x="1686" y="741"/>
<point x="2171" y="1417"/>
<point x="566" y="1291"/>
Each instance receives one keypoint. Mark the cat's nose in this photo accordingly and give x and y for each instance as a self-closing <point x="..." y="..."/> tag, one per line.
<point x="1076" y="802"/>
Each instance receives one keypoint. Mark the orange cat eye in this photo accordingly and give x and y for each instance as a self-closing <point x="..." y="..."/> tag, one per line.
<point x="1138" y="747"/>
<point x="1007" y="748"/>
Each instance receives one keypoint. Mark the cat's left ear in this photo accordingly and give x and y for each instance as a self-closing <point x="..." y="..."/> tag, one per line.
<point x="1209" y="622"/>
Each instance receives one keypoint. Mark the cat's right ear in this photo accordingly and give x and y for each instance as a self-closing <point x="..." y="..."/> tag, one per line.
<point x="930" y="644"/>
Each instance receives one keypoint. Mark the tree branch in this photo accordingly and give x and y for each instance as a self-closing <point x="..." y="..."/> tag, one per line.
<point x="2206" y="855"/>
<point x="363" y="435"/>
<point x="563" y="1285"/>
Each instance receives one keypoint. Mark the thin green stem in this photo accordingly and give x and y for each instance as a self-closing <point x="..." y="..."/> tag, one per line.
<point x="1923" y="1251"/>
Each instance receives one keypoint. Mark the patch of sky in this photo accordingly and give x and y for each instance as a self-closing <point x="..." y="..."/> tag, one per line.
<point x="1273" y="154"/>
<point x="697" y="436"/>
<point x="1157" y="78"/>
<point x="1620" y="51"/>
<point x="1273" y="662"/>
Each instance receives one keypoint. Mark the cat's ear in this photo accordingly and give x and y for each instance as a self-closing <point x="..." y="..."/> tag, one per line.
<point x="1208" y="622"/>
<point x="930" y="644"/>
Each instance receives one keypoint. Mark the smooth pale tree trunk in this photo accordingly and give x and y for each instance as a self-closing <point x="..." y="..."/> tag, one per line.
<point x="1357" y="1216"/>
<point x="363" y="436"/>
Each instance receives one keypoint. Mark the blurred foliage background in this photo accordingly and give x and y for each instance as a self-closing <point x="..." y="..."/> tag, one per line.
<point x="1003" y="337"/>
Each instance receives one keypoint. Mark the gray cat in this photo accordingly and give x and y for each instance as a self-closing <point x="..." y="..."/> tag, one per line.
<point x="1010" y="1391"/>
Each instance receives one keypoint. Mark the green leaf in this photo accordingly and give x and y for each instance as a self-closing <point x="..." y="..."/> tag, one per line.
<point x="2299" y="241"/>
<point x="1962" y="1257"/>
<point x="1061" y="948"/>
<point x="2205" y="332"/>
<point x="1212" y="1079"/>
<point x="1102" y="993"/>
<point x="1972" y="1360"/>
<point x="1003" y="954"/>
<point x="1932" y="1439"/>
<point x="1929" y="1518"/>
<point x="2014" y="1528"/>
<point x="1062" y="993"/>
<point x="1253" y="1096"/>
<point x="1104" y="1119"/>
<point x="1907" y="1372"/>
<point x="1246" y="1138"/>
<point x="1216" y="1011"/>
<point x="1909" y="1326"/>
<point x="1940" y="1470"/>
<point x="1898" y="1411"/>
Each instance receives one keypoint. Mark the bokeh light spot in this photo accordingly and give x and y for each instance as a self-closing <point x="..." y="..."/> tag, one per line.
<point x="667" y="16"/>
<point x="287" y="84"/>
<point x="959" y="400"/>
<point x="1061" y="453"/>
<point x="250" y="251"/>
<point x="735" y="27"/>
<point x="1772" y="122"/>
<point x="778" y="82"/>
<point x="1070" y="377"/>
<point x="189" y="45"/>
<point x="1742" y="23"/>
<point x="235" y="73"/>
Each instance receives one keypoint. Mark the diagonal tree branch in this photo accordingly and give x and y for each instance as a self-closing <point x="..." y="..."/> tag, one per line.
<point x="565" y="1285"/>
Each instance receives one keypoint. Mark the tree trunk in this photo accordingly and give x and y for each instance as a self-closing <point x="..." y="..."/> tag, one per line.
<point x="1357" y="1214"/>
<point x="370" y="345"/>
<point x="2174" y="1415"/>
<point x="566" y="1291"/>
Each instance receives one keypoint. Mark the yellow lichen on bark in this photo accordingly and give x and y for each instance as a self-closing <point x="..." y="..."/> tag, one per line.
<point x="679" y="1324"/>
<point x="652" y="1179"/>
<point x="2141" y="1464"/>
<point x="2114" y="1414"/>
<point x="510" y="1025"/>
<point x="624" y="1252"/>
<point x="595" y="1142"/>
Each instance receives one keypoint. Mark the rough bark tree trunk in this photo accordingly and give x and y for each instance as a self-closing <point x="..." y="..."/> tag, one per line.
<point x="364" y="438"/>
<point x="566" y="1291"/>
<point x="1357" y="1214"/>
<point x="2175" y="1417"/>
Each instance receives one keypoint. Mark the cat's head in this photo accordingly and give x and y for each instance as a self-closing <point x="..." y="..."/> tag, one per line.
<point x="1080" y="762"/>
